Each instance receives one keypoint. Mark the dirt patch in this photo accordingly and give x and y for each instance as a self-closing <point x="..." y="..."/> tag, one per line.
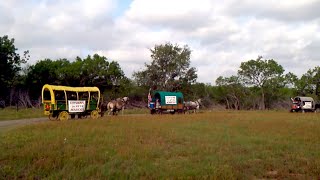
<point x="9" y="124"/>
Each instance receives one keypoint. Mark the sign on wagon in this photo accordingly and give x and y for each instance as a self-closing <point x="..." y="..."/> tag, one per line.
<point x="76" y="106"/>
<point x="171" y="99"/>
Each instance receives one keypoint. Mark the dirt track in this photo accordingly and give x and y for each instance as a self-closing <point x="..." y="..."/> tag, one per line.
<point x="6" y="125"/>
<point x="10" y="124"/>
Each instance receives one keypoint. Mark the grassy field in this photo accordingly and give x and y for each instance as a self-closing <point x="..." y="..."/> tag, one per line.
<point x="11" y="113"/>
<point x="215" y="145"/>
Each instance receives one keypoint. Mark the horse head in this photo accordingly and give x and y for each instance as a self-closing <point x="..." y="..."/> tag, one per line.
<point x="125" y="99"/>
<point x="199" y="102"/>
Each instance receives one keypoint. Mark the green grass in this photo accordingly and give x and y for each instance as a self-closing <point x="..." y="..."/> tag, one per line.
<point x="215" y="145"/>
<point x="11" y="113"/>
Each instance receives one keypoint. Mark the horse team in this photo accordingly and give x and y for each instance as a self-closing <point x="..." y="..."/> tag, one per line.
<point x="115" y="106"/>
<point x="192" y="105"/>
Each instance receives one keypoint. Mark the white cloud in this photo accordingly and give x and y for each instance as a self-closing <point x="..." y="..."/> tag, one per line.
<point x="221" y="34"/>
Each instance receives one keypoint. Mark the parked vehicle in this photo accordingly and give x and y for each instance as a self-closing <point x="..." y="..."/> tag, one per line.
<point x="304" y="104"/>
<point x="61" y="101"/>
<point x="163" y="102"/>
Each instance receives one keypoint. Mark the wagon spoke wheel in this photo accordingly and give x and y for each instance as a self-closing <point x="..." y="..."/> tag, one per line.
<point x="63" y="116"/>
<point x="94" y="114"/>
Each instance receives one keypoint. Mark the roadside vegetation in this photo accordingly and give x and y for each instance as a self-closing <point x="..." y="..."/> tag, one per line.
<point x="12" y="113"/>
<point x="258" y="84"/>
<point x="214" y="145"/>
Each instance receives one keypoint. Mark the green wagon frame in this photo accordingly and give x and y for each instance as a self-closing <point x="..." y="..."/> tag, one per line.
<point x="168" y="102"/>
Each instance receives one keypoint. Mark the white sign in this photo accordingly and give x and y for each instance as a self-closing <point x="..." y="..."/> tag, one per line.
<point x="307" y="105"/>
<point x="76" y="106"/>
<point x="171" y="99"/>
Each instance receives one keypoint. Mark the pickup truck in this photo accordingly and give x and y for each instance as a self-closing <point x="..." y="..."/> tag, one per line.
<point x="304" y="104"/>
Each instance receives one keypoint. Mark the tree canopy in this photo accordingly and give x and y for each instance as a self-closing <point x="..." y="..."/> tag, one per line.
<point x="169" y="69"/>
<point x="91" y="71"/>
<point x="259" y="72"/>
<point x="10" y="64"/>
<point x="259" y="84"/>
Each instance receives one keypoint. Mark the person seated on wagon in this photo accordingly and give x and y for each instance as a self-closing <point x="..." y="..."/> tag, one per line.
<point x="157" y="104"/>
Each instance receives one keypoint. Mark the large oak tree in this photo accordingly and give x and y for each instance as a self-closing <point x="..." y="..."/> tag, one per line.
<point x="10" y="65"/>
<point x="169" y="70"/>
<point x="259" y="73"/>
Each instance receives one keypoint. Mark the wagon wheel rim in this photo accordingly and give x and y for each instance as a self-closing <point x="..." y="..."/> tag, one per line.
<point x="94" y="114"/>
<point x="63" y="116"/>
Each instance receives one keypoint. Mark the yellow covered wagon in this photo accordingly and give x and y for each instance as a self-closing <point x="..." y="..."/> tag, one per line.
<point x="60" y="102"/>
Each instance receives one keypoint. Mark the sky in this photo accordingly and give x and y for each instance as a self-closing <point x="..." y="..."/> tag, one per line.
<point x="221" y="34"/>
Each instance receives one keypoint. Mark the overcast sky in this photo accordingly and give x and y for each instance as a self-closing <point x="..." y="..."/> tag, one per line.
<point x="221" y="34"/>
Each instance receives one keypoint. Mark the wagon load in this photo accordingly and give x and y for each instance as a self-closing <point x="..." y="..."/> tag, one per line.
<point x="163" y="101"/>
<point x="60" y="102"/>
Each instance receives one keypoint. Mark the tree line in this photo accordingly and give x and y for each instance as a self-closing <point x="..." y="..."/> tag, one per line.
<point x="259" y="84"/>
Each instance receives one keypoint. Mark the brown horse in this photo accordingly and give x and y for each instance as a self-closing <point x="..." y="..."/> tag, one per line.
<point x="117" y="105"/>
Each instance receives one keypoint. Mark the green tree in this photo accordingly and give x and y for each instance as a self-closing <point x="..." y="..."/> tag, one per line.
<point x="169" y="70"/>
<point x="232" y="91"/>
<point x="10" y="65"/>
<point x="44" y="72"/>
<point x="91" y="71"/>
<point x="258" y="72"/>
<point x="98" y="71"/>
<point x="309" y="83"/>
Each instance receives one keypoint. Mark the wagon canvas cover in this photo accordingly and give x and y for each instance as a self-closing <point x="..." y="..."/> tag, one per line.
<point x="168" y="98"/>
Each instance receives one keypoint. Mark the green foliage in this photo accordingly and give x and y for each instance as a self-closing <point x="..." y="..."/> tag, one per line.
<point x="10" y="65"/>
<point x="261" y="73"/>
<point x="258" y="72"/>
<point x="91" y="71"/>
<point x="44" y="72"/>
<point x="309" y="83"/>
<point x="259" y="83"/>
<point x="194" y="91"/>
<point x="233" y="93"/>
<point x="169" y="69"/>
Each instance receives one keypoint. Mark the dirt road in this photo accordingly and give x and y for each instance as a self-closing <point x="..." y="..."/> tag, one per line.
<point x="9" y="124"/>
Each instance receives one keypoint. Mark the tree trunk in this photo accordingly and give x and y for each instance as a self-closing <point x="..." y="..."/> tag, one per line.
<point x="262" y="103"/>
<point x="12" y="93"/>
<point x="228" y="106"/>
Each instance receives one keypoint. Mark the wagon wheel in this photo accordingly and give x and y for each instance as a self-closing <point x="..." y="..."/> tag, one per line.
<point x="63" y="116"/>
<point x="94" y="114"/>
